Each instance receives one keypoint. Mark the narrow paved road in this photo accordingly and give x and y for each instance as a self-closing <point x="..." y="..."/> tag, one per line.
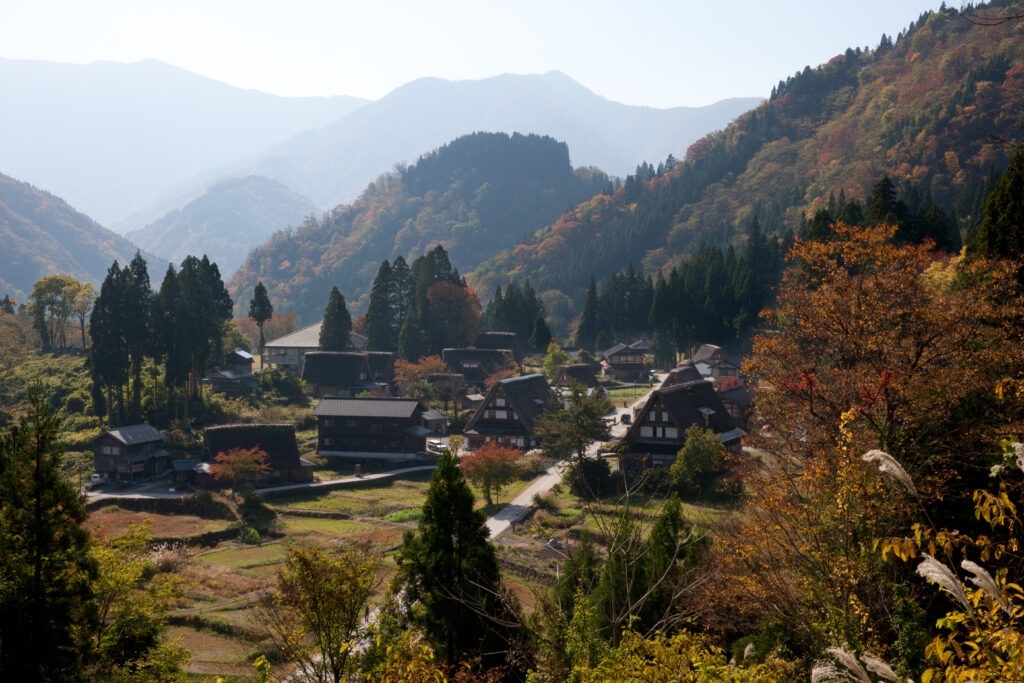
<point x="520" y="506"/>
<point x="101" y="495"/>
<point x="516" y="509"/>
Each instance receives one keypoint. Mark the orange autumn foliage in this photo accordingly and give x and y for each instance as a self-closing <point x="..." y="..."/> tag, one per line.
<point x="871" y="344"/>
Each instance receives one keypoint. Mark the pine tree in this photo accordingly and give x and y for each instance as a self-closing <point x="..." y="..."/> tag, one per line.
<point x="1001" y="233"/>
<point x="449" y="567"/>
<point x="336" y="329"/>
<point x="402" y="292"/>
<point x="108" y="355"/>
<point x="379" y="314"/>
<point x="541" y="336"/>
<point x="260" y="309"/>
<point x="45" y="566"/>
<point x="881" y="207"/>
<point x="136" y="329"/>
<point x="587" y="330"/>
<point x="410" y="339"/>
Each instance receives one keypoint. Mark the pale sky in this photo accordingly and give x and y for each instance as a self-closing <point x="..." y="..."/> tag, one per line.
<point x="660" y="53"/>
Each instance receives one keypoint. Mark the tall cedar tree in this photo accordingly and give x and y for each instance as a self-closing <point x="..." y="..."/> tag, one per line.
<point x="109" y="354"/>
<point x="138" y="299"/>
<point x="169" y="343"/>
<point x="588" y="329"/>
<point x="514" y="310"/>
<point x="202" y="308"/>
<point x="401" y="295"/>
<point x="410" y="339"/>
<point x="45" y="566"/>
<point x="336" y="330"/>
<point x="380" y="327"/>
<point x="541" y="336"/>
<point x="260" y="309"/>
<point x="1001" y="233"/>
<point x="451" y="570"/>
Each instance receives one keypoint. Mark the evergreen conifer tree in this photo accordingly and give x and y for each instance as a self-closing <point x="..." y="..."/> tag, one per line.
<point x="260" y="309"/>
<point x="541" y="336"/>
<point x="336" y="329"/>
<point x="45" y="565"/>
<point x="410" y="339"/>
<point x="136" y="328"/>
<point x="450" y="568"/>
<point x="1001" y="233"/>
<point x="587" y="330"/>
<point x="379" y="314"/>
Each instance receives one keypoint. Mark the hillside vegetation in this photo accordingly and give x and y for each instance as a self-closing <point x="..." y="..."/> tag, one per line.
<point x="476" y="195"/>
<point x="926" y="108"/>
<point x="40" y="234"/>
<point x="225" y="223"/>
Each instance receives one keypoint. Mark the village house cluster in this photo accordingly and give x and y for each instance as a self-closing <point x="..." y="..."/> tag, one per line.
<point x="363" y="415"/>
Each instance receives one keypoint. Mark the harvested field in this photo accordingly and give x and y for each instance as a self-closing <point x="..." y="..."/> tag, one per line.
<point x="115" y="520"/>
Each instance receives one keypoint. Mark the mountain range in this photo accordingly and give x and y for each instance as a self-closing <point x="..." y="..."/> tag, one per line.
<point x="935" y="109"/>
<point x="40" y="234"/>
<point x="476" y="195"/>
<point x="927" y="108"/>
<point x="111" y="138"/>
<point x="226" y="222"/>
<point x="333" y="164"/>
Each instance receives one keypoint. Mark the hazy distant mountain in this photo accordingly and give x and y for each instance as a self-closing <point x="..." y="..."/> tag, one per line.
<point x="111" y="137"/>
<point x="41" y="235"/>
<point x="333" y="164"/>
<point x="226" y="222"/>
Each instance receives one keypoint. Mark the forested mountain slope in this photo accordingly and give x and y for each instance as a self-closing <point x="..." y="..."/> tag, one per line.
<point x="926" y="108"/>
<point x="225" y="223"/>
<point x="41" y="235"/>
<point x="476" y="196"/>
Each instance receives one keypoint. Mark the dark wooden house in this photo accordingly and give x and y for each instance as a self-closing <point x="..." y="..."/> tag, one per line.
<point x="128" y="454"/>
<point x="276" y="440"/>
<point x="659" y="427"/>
<point x="336" y="373"/>
<point x="381" y="365"/>
<point x="500" y="340"/>
<point x="239" y="360"/>
<point x="286" y="352"/>
<point x="370" y="427"/>
<point x="681" y="374"/>
<point x="476" y="365"/>
<point x="576" y="372"/>
<point x="737" y="401"/>
<point x="712" y="362"/>
<point x="237" y="378"/>
<point x="231" y="382"/>
<point x="436" y="422"/>
<point x="509" y="412"/>
<point x="624" y="364"/>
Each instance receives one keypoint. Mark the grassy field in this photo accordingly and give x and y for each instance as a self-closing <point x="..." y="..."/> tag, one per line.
<point x="113" y="520"/>
<point x="214" y="618"/>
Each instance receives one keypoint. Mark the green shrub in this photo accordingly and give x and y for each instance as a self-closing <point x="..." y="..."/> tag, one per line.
<point x="544" y="502"/>
<point x="409" y="515"/>
<point x="590" y="478"/>
<point x="257" y="514"/>
<point x="250" y="536"/>
<point x="533" y="467"/>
